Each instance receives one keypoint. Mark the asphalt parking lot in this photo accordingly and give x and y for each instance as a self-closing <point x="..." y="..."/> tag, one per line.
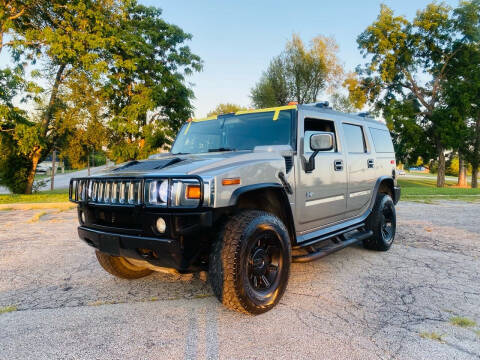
<point x="420" y="300"/>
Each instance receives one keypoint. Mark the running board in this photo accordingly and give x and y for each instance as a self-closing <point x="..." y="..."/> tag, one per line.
<point x="332" y="248"/>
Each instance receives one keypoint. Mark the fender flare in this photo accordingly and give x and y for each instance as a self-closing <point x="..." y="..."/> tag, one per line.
<point x="283" y="198"/>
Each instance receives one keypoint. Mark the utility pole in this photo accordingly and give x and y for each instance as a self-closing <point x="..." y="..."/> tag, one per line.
<point x="53" y="169"/>
<point x="88" y="163"/>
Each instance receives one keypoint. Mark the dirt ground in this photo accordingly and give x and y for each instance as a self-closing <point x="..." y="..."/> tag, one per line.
<point x="420" y="300"/>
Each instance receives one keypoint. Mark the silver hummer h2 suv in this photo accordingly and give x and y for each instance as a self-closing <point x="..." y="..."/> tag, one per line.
<point x="242" y="195"/>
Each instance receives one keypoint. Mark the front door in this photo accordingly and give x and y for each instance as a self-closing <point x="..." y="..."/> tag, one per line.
<point x="321" y="194"/>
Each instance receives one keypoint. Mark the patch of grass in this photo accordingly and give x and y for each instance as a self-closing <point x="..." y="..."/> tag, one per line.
<point x="41" y="197"/>
<point x="63" y="206"/>
<point x="477" y="332"/>
<point x="426" y="190"/>
<point x="37" y="216"/>
<point x="7" y="309"/>
<point x="462" y="322"/>
<point x="432" y="336"/>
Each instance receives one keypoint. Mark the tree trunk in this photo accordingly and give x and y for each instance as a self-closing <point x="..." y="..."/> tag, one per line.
<point x="31" y="175"/>
<point x="88" y="163"/>
<point x="37" y="152"/>
<point x="441" y="166"/>
<point x="462" y="172"/>
<point x="53" y="99"/>
<point x="476" y="153"/>
<point x="52" y="181"/>
<point x="474" y="176"/>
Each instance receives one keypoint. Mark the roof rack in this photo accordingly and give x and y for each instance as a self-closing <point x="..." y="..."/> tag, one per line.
<point x="323" y="105"/>
<point x="365" y="114"/>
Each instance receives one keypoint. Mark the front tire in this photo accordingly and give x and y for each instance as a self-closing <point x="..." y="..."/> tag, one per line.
<point x="250" y="262"/>
<point x="383" y="222"/>
<point x="121" y="267"/>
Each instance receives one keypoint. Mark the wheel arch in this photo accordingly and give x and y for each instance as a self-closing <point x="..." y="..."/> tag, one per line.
<point x="385" y="185"/>
<point x="269" y="197"/>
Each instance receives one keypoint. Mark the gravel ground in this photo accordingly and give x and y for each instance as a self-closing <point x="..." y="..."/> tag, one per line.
<point x="354" y="304"/>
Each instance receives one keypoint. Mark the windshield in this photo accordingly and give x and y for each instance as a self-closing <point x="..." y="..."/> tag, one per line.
<point x="235" y="132"/>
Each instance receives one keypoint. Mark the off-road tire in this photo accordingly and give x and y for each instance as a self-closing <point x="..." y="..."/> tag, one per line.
<point x="229" y="257"/>
<point x="384" y="208"/>
<point x="121" y="267"/>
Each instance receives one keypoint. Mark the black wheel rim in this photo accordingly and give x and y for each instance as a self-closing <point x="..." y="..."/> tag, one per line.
<point x="387" y="225"/>
<point x="264" y="262"/>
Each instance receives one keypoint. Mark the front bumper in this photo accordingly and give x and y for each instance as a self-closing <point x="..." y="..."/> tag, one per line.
<point x="131" y="233"/>
<point x="164" y="252"/>
<point x="397" y="194"/>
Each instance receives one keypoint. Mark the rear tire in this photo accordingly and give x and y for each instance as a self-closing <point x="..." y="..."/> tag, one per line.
<point x="121" y="267"/>
<point x="382" y="221"/>
<point x="250" y="262"/>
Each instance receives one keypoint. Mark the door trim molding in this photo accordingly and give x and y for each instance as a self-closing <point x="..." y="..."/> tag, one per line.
<point x="324" y="200"/>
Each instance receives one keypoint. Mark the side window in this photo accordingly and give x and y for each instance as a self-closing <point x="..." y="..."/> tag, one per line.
<point x="354" y="138"/>
<point x="313" y="126"/>
<point x="381" y="140"/>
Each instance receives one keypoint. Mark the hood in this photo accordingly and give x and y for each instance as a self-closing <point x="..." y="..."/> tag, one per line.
<point x="191" y="164"/>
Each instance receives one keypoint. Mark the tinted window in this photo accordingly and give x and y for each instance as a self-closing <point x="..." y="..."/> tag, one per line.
<point x="236" y="132"/>
<point x="354" y="138"/>
<point x="381" y="140"/>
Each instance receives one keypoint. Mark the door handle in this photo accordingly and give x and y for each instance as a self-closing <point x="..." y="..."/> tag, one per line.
<point x="338" y="165"/>
<point x="371" y="163"/>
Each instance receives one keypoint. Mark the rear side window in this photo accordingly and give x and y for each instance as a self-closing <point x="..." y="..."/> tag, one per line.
<point x="354" y="138"/>
<point x="381" y="140"/>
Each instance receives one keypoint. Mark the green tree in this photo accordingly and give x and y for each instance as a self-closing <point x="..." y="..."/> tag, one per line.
<point x="134" y="61"/>
<point x="226" y="108"/>
<point x="68" y="37"/>
<point x="462" y="95"/>
<point x="84" y="129"/>
<point x="299" y="74"/>
<point x="400" y="51"/>
<point x="341" y="102"/>
<point x="147" y="97"/>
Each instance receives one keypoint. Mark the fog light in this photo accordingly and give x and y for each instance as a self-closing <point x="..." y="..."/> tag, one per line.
<point x="82" y="217"/>
<point x="161" y="225"/>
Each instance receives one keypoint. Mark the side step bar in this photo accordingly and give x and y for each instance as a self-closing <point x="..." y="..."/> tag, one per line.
<point x="331" y="249"/>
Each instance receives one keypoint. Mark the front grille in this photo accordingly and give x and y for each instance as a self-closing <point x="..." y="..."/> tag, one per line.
<point x="107" y="191"/>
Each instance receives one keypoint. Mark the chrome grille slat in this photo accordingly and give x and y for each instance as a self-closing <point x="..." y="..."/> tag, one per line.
<point x="112" y="191"/>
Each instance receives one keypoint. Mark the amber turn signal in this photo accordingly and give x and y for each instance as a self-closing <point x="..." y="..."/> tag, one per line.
<point x="193" y="192"/>
<point x="232" y="181"/>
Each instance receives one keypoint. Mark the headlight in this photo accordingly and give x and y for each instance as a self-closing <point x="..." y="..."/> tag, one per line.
<point x="177" y="192"/>
<point x="154" y="197"/>
<point x="163" y="191"/>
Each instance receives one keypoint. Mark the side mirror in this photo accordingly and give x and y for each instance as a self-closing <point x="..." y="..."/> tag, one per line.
<point x="323" y="141"/>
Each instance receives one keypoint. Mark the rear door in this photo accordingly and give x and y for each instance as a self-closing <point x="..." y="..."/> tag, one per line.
<point x="360" y="167"/>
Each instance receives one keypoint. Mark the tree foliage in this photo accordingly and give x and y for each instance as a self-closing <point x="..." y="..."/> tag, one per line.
<point x="147" y="97"/>
<point x="408" y="62"/>
<point x="299" y="74"/>
<point x="132" y="63"/>
<point x="226" y="108"/>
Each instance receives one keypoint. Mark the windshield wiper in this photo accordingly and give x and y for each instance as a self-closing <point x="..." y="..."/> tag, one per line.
<point x="221" y="149"/>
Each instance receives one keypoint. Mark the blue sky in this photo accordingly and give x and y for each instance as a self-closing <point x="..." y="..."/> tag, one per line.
<point x="237" y="39"/>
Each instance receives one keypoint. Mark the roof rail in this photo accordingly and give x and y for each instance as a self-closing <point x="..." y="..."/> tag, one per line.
<point x="365" y="114"/>
<point x="323" y="105"/>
